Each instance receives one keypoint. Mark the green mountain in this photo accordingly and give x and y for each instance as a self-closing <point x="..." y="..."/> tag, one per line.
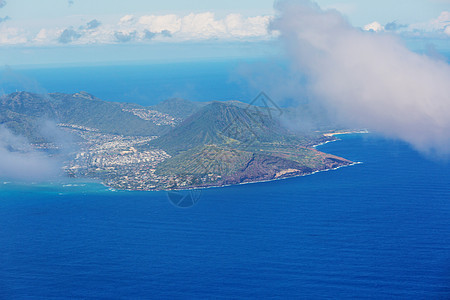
<point x="23" y="111"/>
<point x="176" y="144"/>
<point x="227" y="124"/>
<point x="226" y="144"/>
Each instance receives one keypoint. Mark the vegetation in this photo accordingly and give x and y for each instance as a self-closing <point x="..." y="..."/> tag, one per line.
<point x="197" y="144"/>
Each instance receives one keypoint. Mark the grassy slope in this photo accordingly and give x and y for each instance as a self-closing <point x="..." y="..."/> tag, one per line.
<point x="225" y="144"/>
<point x="19" y="110"/>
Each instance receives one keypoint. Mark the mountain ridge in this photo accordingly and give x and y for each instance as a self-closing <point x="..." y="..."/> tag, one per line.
<point x="176" y="144"/>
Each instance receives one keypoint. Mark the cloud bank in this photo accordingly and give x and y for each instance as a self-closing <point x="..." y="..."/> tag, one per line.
<point x="146" y="28"/>
<point x="367" y="79"/>
<point x="435" y="28"/>
<point x="141" y="29"/>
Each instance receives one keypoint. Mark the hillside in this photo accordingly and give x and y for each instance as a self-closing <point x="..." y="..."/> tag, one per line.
<point x="221" y="123"/>
<point x="176" y="144"/>
<point x="22" y="111"/>
<point x="226" y="144"/>
<point x="179" y="108"/>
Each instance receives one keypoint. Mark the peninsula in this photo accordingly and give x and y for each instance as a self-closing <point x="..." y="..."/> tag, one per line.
<point x="176" y="144"/>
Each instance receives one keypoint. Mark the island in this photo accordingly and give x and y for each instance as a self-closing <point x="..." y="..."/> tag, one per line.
<point x="176" y="144"/>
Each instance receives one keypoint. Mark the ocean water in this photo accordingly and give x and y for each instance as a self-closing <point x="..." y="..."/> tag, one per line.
<point x="376" y="230"/>
<point x="145" y="84"/>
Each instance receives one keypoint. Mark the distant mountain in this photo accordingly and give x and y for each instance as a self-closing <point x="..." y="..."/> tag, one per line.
<point x="179" y="108"/>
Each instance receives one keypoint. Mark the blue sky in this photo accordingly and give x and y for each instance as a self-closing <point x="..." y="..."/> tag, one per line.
<point x="28" y="28"/>
<point x="360" y="12"/>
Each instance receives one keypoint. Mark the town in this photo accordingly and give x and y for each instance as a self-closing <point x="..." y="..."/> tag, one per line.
<point x="114" y="159"/>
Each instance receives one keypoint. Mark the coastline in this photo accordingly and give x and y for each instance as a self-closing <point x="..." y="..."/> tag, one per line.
<point x="275" y="179"/>
<point x="334" y="134"/>
<point x="233" y="184"/>
<point x="362" y="131"/>
<point x="260" y="181"/>
<point x="82" y="183"/>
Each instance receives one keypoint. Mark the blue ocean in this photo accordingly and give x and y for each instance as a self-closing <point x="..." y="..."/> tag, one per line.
<point x="145" y="84"/>
<point x="375" y="230"/>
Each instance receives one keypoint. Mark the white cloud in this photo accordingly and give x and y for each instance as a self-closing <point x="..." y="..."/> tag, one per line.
<point x="42" y="35"/>
<point x="447" y="30"/>
<point x="202" y="25"/>
<point x="194" y="26"/>
<point x="12" y="35"/>
<point x="253" y="26"/>
<point x="440" y="22"/>
<point x="374" y="26"/>
<point x="126" y="19"/>
<point x="45" y="35"/>
<point x="154" y="23"/>
<point x="177" y="28"/>
<point x="434" y="28"/>
<point x="206" y="25"/>
<point x="368" y="80"/>
<point x="19" y="161"/>
<point x="437" y="25"/>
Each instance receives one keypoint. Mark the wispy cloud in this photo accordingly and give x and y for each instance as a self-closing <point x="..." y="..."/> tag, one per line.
<point x="19" y="161"/>
<point x="2" y="3"/>
<point x="126" y="19"/>
<point x="368" y="80"/>
<point x="10" y="35"/>
<point x="441" y="24"/>
<point x="437" y="27"/>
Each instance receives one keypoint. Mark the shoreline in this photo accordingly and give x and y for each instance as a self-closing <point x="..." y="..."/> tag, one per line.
<point x="261" y="181"/>
<point x="112" y="189"/>
<point x="334" y="134"/>
<point x="234" y="184"/>
<point x="364" y="131"/>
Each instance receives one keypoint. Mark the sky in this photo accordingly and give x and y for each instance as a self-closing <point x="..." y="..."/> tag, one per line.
<point x="360" y="12"/>
<point x="30" y="30"/>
